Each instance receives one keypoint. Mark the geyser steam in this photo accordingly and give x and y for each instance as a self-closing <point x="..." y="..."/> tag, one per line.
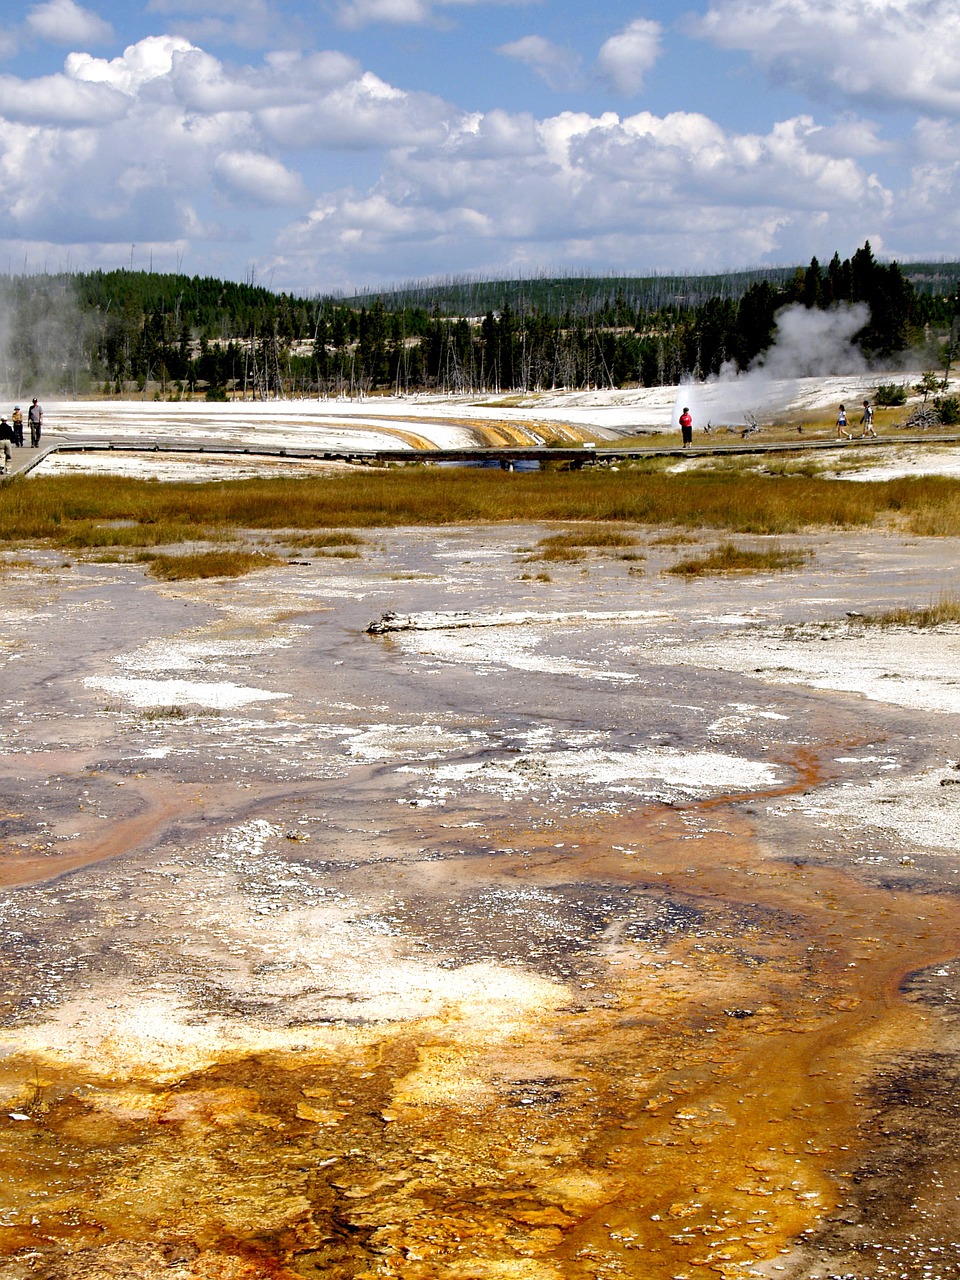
<point x="807" y="343"/>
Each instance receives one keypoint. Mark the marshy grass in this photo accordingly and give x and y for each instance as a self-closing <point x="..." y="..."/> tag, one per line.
<point x="674" y="540"/>
<point x="333" y="539"/>
<point x="571" y="546"/>
<point x="945" y="610"/>
<point x="728" y="558"/>
<point x="174" y="712"/>
<point x="207" y="564"/>
<point x="95" y="511"/>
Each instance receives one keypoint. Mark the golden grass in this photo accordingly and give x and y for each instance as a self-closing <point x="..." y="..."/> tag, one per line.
<point x="570" y="546"/>
<point x="208" y="564"/>
<point x="946" y="610"/>
<point x="674" y="540"/>
<point x="78" y="511"/>
<point x="333" y="538"/>
<point x="728" y="558"/>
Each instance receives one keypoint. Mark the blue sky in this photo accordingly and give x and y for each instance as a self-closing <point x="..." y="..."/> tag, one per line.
<point x="322" y="145"/>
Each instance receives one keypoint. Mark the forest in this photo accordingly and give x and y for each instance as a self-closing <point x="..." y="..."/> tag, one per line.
<point x="168" y="336"/>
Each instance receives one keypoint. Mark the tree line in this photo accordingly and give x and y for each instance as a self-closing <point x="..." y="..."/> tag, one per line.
<point x="167" y="336"/>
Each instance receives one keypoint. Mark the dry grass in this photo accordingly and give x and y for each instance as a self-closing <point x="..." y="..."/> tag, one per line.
<point x="208" y="564"/>
<point x="728" y="558"/>
<point x="570" y="546"/>
<point x="674" y="540"/>
<point x="94" y="511"/>
<point x="946" y="610"/>
<point x="323" y="541"/>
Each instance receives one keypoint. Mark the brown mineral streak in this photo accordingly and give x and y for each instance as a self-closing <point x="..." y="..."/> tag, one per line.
<point x="692" y="1121"/>
<point x="161" y="804"/>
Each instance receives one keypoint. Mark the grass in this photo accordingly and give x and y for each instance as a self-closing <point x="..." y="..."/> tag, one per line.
<point x="728" y="558"/>
<point x="570" y="546"/>
<point x="95" y="511"/>
<point x="208" y="564"/>
<point x="946" y="609"/>
<point x="332" y="539"/>
<point x="674" y="540"/>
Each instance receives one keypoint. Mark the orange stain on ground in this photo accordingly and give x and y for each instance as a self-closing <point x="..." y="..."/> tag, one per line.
<point x="687" y="1107"/>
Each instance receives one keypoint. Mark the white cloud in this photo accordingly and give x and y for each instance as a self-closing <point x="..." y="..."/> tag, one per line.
<point x="364" y="112"/>
<point x="66" y="22"/>
<point x="149" y="59"/>
<point x="165" y="142"/>
<point x="885" y="51"/>
<point x="60" y="100"/>
<point x="255" y="178"/>
<point x="251" y="23"/>
<point x="558" y="66"/>
<point x="626" y="58"/>
<point x="168" y="145"/>
<point x="362" y="13"/>
<point x="599" y="191"/>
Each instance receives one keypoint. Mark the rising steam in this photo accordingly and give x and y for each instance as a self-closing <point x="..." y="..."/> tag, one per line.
<point x="807" y="343"/>
<point x="44" y="348"/>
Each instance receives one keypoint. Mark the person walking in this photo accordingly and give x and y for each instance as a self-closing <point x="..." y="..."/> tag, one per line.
<point x="866" y="420"/>
<point x="842" y="424"/>
<point x="17" y="422"/>
<point x="35" y="418"/>
<point x="686" y="427"/>
<point x="6" y="440"/>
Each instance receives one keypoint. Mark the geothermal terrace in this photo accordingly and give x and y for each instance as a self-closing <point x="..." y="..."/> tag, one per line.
<point x="437" y="912"/>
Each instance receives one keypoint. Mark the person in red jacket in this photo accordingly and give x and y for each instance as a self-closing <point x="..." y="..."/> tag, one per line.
<point x="686" y="427"/>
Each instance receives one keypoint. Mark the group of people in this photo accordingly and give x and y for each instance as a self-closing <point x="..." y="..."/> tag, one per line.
<point x="11" y="433"/>
<point x="866" y="421"/>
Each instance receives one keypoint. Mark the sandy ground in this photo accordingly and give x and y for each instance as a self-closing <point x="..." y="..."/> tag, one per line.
<point x="585" y="925"/>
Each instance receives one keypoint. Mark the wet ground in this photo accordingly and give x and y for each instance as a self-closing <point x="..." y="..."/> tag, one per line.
<point x="595" y="923"/>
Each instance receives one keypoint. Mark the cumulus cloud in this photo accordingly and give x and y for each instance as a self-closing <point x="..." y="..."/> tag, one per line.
<point x="60" y="99"/>
<point x="255" y="178"/>
<point x="626" y="58"/>
<point x="889" y="51"/>
<point x="557" y="66"/>
<point x="165" y="142"/>
<point x="363" y="112"/>
<point x="168" y="145"/>
<point x="597" y="191"/>
<point x="149" y="59"/>
<point x="66" y="22"/>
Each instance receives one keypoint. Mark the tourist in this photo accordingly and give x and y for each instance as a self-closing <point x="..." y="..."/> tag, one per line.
<point x="686" y="427"/>
<point x="17" y="426"/>
<point x="842" y="424"/>
<point x="35" y="418"/>
<point x="867" y="420"/>
<point x="6" y="441"/>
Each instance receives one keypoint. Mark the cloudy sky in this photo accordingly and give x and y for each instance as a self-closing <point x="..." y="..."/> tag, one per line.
<point x="320" y="145"/>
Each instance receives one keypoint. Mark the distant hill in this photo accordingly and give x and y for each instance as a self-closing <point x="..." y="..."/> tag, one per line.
<point x="585" y="295"/>
<point x="166" y="336"/>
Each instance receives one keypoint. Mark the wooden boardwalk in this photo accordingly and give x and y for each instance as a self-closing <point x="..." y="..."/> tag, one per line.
<point x="508" y="458"/>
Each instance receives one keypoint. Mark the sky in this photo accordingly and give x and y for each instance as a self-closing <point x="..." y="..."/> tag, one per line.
<point x="324" y="146"/>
